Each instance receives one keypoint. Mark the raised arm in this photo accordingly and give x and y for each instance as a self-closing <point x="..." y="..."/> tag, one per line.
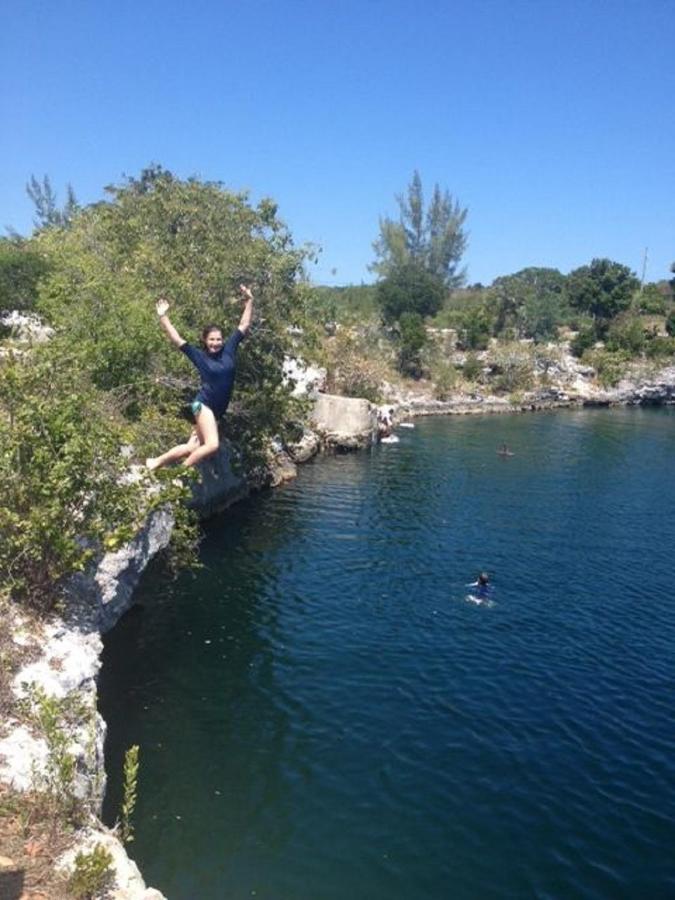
<point x="247" y="315"/>
<point x="162" y="307"/>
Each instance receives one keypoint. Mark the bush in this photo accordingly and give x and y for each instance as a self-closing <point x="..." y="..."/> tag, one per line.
<point x="410" y="289"/>
<point x="660" y="346"/>
<point x="474" y="329"/>
<point x="609" y="366"/>
<point x="472" y="368"/>
<point x="413" y="338"/>
<point x="60" y="469"/>
<point x="444" y="378"/>
<point x="651" y="301"/>
<point x="92" y="874"/>
<point x="670" y="323"/>
<point x="585" y="339"/>
<point x="512" y="372"/>
<point x="21" y="268"/>
<point x="627" y="333"/>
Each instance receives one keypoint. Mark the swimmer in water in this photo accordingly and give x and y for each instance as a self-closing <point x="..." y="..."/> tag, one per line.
<point x="504" y="451"/>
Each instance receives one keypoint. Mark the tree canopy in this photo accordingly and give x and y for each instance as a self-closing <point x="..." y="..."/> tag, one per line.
<point x="433" y="239"/>
<point x="602" y="289"/>
<point x="410" y="289"/>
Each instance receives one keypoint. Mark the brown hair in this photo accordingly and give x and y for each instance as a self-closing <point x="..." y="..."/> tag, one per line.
<point x="207" y="331"/>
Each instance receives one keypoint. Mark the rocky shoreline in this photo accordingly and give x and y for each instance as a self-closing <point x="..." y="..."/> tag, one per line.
<point x="68" y="650"/>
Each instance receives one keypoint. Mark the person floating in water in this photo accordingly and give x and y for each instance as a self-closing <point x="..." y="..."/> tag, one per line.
<point x="504" y="451"/>
<point x="216" y="366"/>
<point x="481" y="585"/>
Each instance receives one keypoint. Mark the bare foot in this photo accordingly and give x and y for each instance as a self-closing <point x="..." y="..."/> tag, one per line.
<point x="151" y="463"/>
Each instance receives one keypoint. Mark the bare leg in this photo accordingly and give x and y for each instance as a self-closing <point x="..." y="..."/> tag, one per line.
<point x="174" y="454"/>
<point x="207" y="431"/>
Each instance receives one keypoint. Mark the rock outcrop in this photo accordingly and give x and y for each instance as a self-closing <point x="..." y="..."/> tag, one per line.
<point x="344" y="423"/>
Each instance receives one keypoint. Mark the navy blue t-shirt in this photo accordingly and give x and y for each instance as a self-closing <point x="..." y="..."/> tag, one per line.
<point x="216" y="371"/>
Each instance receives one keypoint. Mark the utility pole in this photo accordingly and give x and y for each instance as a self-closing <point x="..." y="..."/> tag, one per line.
<point x="644" y="269"/>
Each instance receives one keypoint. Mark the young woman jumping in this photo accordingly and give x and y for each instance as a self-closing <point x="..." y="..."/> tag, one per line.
<point x="216" y="366"/>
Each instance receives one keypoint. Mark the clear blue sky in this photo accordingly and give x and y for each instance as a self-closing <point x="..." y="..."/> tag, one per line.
<point x="553" y="122"/>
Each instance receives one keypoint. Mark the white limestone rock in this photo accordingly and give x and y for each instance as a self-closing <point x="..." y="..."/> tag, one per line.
<point x="345" y="423"/>
<point x="305" y="378"/>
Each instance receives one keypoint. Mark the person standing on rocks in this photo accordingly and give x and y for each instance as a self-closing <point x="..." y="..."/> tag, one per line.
<point x="216" y="364"/>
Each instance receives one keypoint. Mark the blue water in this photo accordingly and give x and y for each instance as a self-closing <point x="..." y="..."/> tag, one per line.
<point x="322" y="715"/>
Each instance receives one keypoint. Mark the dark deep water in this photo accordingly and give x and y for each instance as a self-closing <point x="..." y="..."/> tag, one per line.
<point x="322" y="715"/>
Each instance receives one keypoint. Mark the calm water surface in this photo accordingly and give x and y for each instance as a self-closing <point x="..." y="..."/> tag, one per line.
<point x="323" y="715"/>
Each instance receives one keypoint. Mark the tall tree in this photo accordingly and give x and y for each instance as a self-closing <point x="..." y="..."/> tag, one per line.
<point x="434" y="240"/>
<point x="47" y="212"/>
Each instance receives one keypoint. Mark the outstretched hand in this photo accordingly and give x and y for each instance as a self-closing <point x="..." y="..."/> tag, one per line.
<point x="162" y="306"/>
<point x="246" y="293"/>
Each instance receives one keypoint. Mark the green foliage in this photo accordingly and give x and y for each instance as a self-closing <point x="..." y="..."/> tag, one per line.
<point x="512" y="371"/>
<point x="584" y="340"/>
<point x="354" y="367"/>
<point x="627" y="332"/>
<point x="129" y="797"/>
<point x="348" y="305"/>
<point x="47" y="213"/>
<point x="192" y="242"/>
<point x="529" y="303"/>
<point x="60" y="469"/>
<point x="413" y="338"/>
<point x="92" y="873"/>
<point x="444" y="377"/>
<point x="670" y="323"/>
<point x="472" y="368"/>
<point x="474" y="328"/>
<point x="610" y="366"/>
<point x="433" y="240"/>
<point x="54" y="719"/>
<point x="21" y="268"/>
<point x="409" y="289"/>
<point x="652" y="301"/>
<point x="660" y="347"/>
<point x="603" y="289"/>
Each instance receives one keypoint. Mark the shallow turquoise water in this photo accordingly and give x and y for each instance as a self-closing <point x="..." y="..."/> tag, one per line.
<point x="322" y="715"/>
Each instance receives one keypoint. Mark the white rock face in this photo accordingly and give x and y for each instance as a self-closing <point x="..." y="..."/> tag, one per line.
<point x="307" y="379"/>
<point x="345" y="423"/>
<point x="26" y="326"/>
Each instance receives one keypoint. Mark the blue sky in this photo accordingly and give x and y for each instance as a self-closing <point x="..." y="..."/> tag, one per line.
<point x="553" y="122"/>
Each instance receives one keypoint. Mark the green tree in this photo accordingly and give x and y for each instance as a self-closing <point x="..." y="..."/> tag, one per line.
<point x="47" y="212"/>
<point x="193" y="242"/>
<point x="410" y="289"/>
<point x="530" y="302"/>
<point x="21" y="268"/>
<point x="413" y="338"/>
<point x="602" y="289"/>
<point x="433" y="240"/>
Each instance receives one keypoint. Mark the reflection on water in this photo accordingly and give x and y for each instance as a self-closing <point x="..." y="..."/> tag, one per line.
<point x="321" y="713"/>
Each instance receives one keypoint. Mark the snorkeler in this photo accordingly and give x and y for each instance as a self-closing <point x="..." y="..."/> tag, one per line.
<point x="216" y="366"/>
<point x="482" y="585"/>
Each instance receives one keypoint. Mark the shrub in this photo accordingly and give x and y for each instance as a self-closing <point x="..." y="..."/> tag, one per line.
<point x="670" y="323"/>
<point x="444" y="377"/>
<point x="60" y="470"/>
<point x="660" y="346"/>
<point x="413" y="338"/>
<point x="626" y="333"/>
<point x="92" y="873"/>
<point x="585" y="339"/>
<point x="609" y="366"/>
<point x="472" y="368"/>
